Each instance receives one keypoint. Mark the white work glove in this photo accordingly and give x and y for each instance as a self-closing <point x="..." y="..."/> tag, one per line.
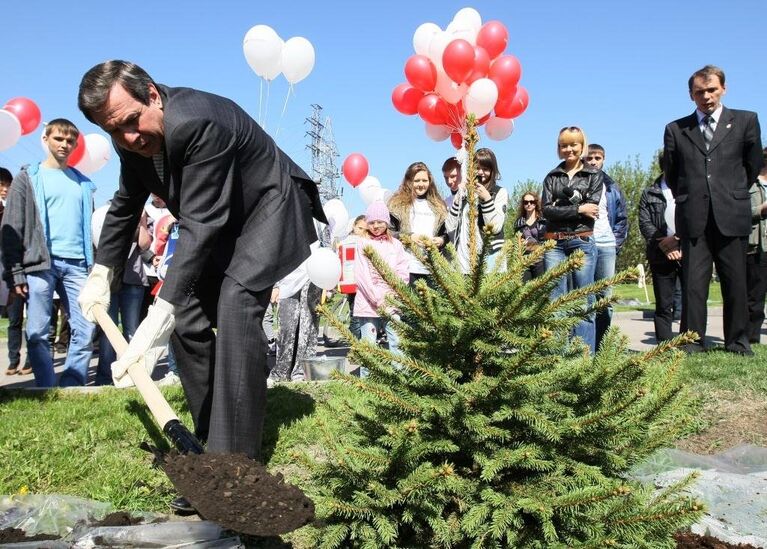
<point x="95" y="291"/>
<point x="148" y="343"/>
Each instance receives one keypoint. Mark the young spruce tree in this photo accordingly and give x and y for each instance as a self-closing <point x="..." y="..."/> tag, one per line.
<point x="492" y="429"/>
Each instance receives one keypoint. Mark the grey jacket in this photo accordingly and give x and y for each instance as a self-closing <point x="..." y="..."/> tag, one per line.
<point x="23" y="239"/>
<point x="757" y="240"/>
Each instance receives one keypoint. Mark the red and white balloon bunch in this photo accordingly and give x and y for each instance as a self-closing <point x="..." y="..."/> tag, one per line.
<point x="91" y="153"/>
<point x="18" y="117"/>
<point x="459" y="71"/>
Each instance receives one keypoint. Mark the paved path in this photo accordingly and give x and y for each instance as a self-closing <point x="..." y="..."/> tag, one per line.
<point x="637" y="325"/>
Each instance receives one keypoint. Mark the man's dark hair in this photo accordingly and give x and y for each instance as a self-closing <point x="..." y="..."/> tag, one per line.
<point x="98" y="81"/>
<point x="705" y="73"/>
<point x="451" y="163"/>
<point x="5" y="176"/>
<point x="596" y="147"/>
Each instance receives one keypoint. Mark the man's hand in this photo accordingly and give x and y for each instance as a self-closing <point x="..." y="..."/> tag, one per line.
<point x="589" y="210"/>
<point x="275" y="297"/>
<point x="147" y="344"/>
<point x="95" y="291"/>
<point x="22" y="290"/>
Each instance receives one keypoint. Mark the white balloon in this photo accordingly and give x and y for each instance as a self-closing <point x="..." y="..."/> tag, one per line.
<point x="437" y="132"/>
<point x="10" y="130"/>
<point x="499" y="128"/>
<point x="263" y="51"/>
<point x="324" y="268"/>
<point x="422" y="37"/>
<point x="369" y="190"/>
<point x="98" y="151"/>
<point x="449" y="90"/>
<point x="337" y="215"/>
<point x="437" y="46"/>
<point x="468" y="17"/>
<point x="481" y="97"/>
<point x="462" y="30"/>
<point x="297" y="59"/>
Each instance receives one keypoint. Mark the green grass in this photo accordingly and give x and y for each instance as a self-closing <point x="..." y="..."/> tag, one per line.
<point x="633" y="292"/>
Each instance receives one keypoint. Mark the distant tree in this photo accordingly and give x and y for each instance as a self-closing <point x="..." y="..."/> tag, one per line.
<point x="632" y="177"/>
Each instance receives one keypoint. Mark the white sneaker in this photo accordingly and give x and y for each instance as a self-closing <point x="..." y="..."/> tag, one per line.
<point x="169" y="379"/>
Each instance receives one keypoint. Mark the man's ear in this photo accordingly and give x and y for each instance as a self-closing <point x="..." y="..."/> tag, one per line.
<point x="154" y="96"/>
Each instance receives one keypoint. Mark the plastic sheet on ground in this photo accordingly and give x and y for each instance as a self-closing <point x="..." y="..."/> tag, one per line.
<point x="71" y="518"/>
<point x="733" y="484"/>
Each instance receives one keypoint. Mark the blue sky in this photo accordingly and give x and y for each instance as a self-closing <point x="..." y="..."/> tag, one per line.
<point x="617" y="69"/>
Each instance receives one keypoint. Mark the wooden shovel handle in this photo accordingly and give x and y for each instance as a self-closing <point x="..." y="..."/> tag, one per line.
<point x="151" y="394"/>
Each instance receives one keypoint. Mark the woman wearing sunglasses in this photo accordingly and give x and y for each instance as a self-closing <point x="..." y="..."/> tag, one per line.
<point x="571" y="193"/>
<point x="531" y="228"/>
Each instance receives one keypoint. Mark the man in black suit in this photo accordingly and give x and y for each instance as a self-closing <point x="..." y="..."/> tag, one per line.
<point x="711" y="159"/>
<point x="245" y="221"/>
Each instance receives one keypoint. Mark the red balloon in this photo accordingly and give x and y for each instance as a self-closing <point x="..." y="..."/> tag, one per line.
<point x="355" y="169"/>
<point x="484" y="119"/>
<point x="421" y="72"/>
<point x="78" y="153"/>
<point x="405" y="98"/>
<point x="511" y="108"/>
<point x="26" y="111"/>
<point x="455" y="115"/>
<point x="433" y="109"/>
<point x="493" y="36"/>
<point x="458" y="60"/>
<point x="481" y="65"/>
<point x="505" y="72"/>
<point x="456" y="139"/>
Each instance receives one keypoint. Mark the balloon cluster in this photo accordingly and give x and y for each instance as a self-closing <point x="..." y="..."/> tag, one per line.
<point x="18" y="117"/>
<point x="459" y="71"/>
<point x="269" y="55"/>
<point x="355" y="169"/>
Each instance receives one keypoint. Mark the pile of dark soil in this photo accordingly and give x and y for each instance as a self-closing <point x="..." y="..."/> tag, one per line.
<point x="687" y="540"/>
<point x="119" y="518"/>
<point x="238" y="493"/>
<point x="15" y="535"/>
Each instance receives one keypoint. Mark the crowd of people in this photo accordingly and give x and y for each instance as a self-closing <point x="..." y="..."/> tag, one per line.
<point x="244" y="225"/>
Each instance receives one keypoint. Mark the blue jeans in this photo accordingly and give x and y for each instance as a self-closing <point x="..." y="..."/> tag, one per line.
<point x="127" y="305"/>
<point x="582" y="277"/>
<point x="605" y="268"/>
<point x="66" y="277"/>
<point x="370" y="327"/>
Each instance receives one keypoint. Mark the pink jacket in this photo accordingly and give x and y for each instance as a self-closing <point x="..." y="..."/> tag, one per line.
<point x="371" y="288"/>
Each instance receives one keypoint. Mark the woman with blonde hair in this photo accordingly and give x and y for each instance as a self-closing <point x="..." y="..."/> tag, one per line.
<point x="417" y="210"/>
<point x="571" y="193"/>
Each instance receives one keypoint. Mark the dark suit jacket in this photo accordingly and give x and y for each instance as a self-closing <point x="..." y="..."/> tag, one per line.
<point x="719" y="177"/>
<point x="241" y="202"/>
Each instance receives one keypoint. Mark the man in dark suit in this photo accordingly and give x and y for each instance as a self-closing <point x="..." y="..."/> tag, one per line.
<point x="245" y="221"/>
<point x="711" y="159"/>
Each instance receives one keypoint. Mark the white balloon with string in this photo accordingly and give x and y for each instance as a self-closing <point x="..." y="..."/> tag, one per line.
<point x="368" y="189"/>
<point x="422" y="37"/>
<point x="437" y="132"/>
<point x="10" y="130"/>
<point x="324" y="268"/>
<point x="262" y="47"/>
<point x="337" y="216"/>
<point x="499" y="129"/>
<point x="98" y="151"/>
<point x="468" y="18"/>
<point x="481" y="97"/>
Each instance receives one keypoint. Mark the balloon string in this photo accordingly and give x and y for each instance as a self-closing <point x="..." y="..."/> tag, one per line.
<point x="284" y="108"/>
<point x="260" y="100"/>
<point x="266" y="107"/>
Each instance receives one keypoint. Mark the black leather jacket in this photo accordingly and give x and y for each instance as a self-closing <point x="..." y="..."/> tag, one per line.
<point x="560" y="211"/>
<point x="652" y="221"/>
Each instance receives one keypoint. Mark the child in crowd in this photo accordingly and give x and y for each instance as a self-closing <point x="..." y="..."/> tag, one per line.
<point x="417" y="210"/>
<point x="352" y="242"/>
<point x="492" y="201"/>
<point x="531" y="227"/>
<point x="371" y="288"/>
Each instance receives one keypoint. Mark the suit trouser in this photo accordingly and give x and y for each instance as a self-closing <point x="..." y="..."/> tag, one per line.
<point x="664" y="278"/>
<point x="224" y="373"/>
<point x="729" y="255"/>
<point x="756" y="275"/>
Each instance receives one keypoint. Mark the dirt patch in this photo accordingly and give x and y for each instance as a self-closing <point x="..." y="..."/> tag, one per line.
<point x="239" y="493"/>
<point x="688" y="540"/>
<point x="119" y="518"/>
<point x="733" y="418"/>
<point x="15" y="535"/>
